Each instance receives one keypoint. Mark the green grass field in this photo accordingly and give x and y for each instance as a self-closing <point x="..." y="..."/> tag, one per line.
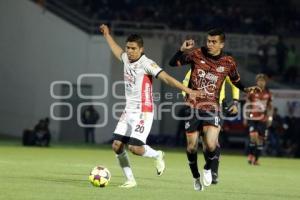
<point x="61" y="172"/>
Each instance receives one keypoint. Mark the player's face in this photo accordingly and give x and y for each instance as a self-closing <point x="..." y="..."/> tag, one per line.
<point x="214" y="45"/>
<point x="133" y="51"/>
<point x="261" y="83"/>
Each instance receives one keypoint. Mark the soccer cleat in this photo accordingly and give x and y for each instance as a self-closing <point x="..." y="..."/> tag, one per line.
<point x="207" y="177"/>
<point x="129" y="184"/>
<point x="251" y="159"/>
<point x="215" y="179"/>
<point x="256" y="163"/>
<point x="160" y="163"/>
<point x="197" y="185"/>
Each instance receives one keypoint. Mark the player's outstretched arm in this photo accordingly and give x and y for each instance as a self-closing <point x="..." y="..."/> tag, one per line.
<point x="186" y="45"/>
<point x="115" y="48"/>
<point x="176" y="84"/>
<point x="250" y="90"/>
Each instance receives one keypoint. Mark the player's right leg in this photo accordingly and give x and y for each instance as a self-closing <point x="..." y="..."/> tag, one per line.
<point x="121" y="155"/>
<point x="120" y="139"/>
<point x="191" y="152"/>
<point x="252" y="147"/>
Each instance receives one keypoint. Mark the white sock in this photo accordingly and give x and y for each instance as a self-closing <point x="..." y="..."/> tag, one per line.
<point x="124" y="164"/>
<point x="149" y="152"/>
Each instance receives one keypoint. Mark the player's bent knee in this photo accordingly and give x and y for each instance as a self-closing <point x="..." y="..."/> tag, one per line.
<point x="253" y="134"/>
<point x="211" y="146"/>
<point x="137" y="150"/>
<point x="191" y="148"/>
<point x="117" y="146"/>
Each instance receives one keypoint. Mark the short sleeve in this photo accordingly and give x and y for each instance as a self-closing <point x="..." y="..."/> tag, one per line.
<point x="124" y="57"/>
<point x="152" y="68"/>
<point x="233" y="73"/>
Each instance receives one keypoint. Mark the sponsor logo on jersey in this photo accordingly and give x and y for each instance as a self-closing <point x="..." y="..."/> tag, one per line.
<point x="187" y="125"/>
<point x="202" y="61"/>
<point x="211" y="77"/>
<point x="148" y="101"/>
<point x="220" y="69"/>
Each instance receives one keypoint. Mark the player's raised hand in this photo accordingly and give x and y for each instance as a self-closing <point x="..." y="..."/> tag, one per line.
<point x="104" y="29"/>
<point x="253" y="89"/>
<point x="187" y="44"/>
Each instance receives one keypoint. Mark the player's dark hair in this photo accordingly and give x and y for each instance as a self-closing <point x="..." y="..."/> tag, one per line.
<point x="217" y="32"/>
<point x="261" y="76"/>
<point x="136" y="38"/>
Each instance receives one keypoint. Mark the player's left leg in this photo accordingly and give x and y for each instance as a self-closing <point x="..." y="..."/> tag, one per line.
<point x="260" y="142"/>
<point x="148" y="152"/>
<point x="215" y="163"/>
<point x="141" y="126"/>
<point x="211" y="134"/>
<point x="260" y="139"/>
<point x="258" y="150"/>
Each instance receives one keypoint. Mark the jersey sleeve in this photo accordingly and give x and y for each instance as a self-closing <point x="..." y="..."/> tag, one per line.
<point x="233" y="73"/>
<point x="152" y="68"/>
<point x="187" y="57"/>
<point x="182" y="58"/>
<point x="124" y="57"/>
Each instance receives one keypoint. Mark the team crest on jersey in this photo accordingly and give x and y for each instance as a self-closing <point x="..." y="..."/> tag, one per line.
<point x="201" y="73"/>
<point x="187" y="125"/>
<point x="154" y="65"/>
<point x="220" y="69"/>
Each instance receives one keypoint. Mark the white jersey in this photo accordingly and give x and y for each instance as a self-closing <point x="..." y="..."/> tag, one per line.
<point x="138" y="83"/>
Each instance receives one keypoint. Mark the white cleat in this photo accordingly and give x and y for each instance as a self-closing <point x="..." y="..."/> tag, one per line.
<point x="129" y="184"/>
<point x="207" y="177"/>
<point x="197" y="185"/>
<point x="160" y="163"/>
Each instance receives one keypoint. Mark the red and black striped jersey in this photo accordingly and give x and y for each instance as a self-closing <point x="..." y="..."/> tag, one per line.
<point x="259" y="103"/>
<point x="208" y="74"/>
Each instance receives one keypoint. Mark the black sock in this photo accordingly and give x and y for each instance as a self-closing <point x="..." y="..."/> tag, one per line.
<point x="212" y="157"/>
<point x="192" y="157"/>
<point x="258" y="151"/>
<point x="251" y="148"/>
<point x="215" y="162"/>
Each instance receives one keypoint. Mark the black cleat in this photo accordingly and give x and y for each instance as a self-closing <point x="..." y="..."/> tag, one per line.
<point x="214" y="178"/>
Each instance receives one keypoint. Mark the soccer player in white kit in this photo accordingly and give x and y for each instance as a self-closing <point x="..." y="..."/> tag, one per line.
<point x="135" y="123"/>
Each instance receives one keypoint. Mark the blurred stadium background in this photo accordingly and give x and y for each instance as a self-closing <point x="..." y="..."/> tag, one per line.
<point x="45" y="41"/>
<point x="46" y="46"/>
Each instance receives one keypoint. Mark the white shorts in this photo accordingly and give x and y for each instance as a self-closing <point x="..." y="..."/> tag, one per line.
<point x="135" y="125"/>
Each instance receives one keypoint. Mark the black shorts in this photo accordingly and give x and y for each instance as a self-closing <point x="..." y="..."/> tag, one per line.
<point x="257" y="126"/>
<point x="196" y="119"/>
<point x="128" y="140"/>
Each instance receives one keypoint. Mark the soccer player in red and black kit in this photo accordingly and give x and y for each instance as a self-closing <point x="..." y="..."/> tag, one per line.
<point x="209" y="69"/>
<point x="260" y="111"/>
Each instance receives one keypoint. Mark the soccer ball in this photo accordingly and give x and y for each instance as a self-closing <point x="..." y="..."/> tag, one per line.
<point x="99" y="176"/>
